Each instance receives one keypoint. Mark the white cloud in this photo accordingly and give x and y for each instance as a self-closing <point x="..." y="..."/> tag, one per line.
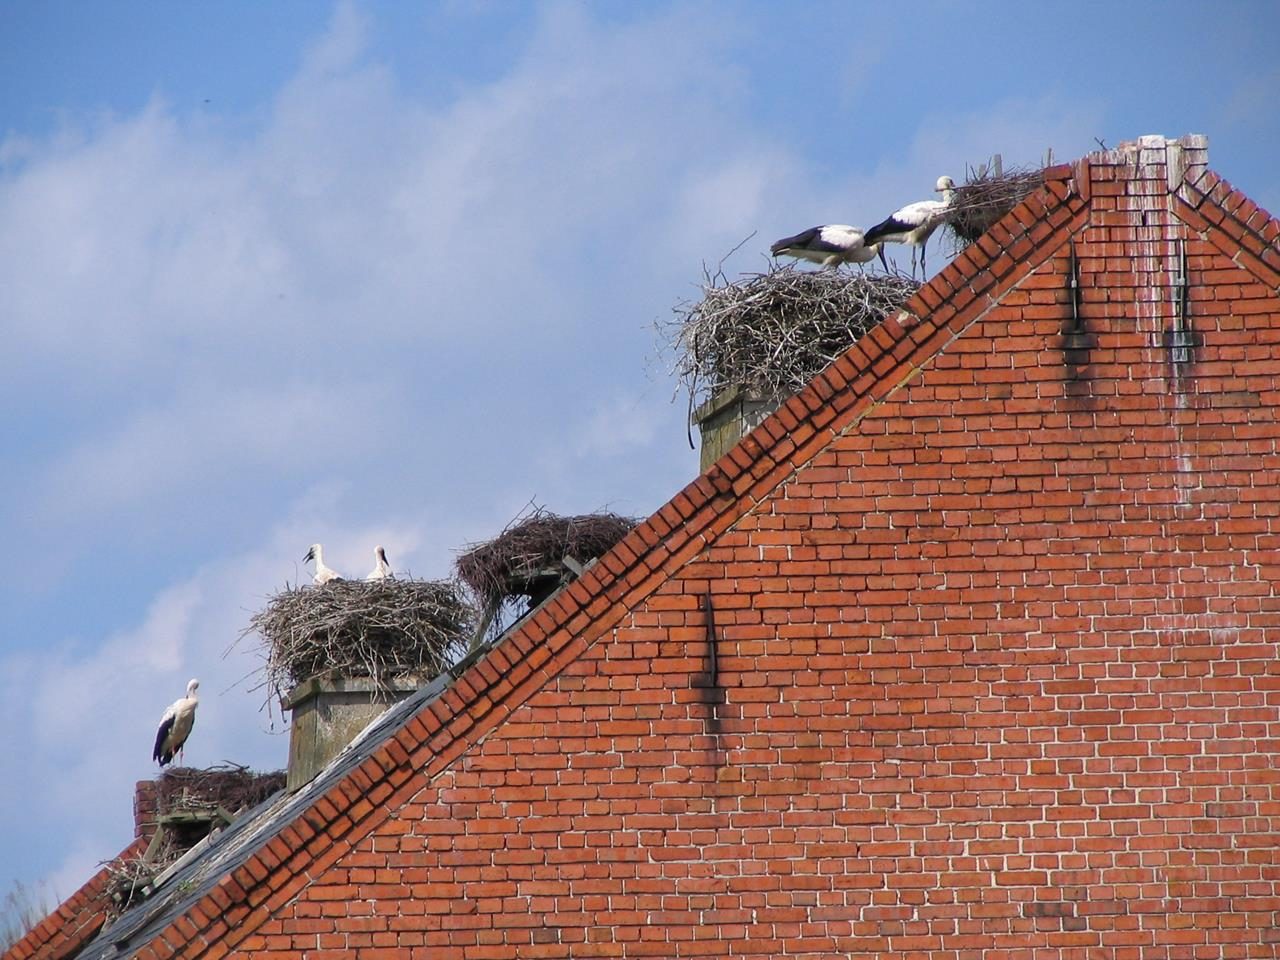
<point x="620" y="426"/>
<point x="196" y="444"/>
<point x="200" y="293"/>
<point x="721" y="206"/>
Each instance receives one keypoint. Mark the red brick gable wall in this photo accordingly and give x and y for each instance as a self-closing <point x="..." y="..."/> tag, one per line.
<point x="999" y="670"/>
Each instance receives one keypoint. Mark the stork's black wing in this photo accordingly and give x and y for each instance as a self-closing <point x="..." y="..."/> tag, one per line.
<point x="159" y="752"/>
<point x="811" y="239"/>
<point x="887" y="227"/>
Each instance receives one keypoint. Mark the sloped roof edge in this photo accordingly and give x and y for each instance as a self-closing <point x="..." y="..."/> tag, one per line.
<point x="54" y="937"/>
<point x="498" y="683"/>
<point x="1243" y="231"/>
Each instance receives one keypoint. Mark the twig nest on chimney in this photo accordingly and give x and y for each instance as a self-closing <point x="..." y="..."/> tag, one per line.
<point x="771" y="333"/>
<point x="189" y="801"/>
<point x="536" y="548"/>
<point x="229" y="786"/>
<point x="985" y="197"/>
<point x="382" y="629"/>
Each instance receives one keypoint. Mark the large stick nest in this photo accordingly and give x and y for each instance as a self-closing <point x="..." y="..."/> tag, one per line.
<point x="534" y="544"/>
<point x="184" y="789"/>
<point x="985" y="197"/>
<point x="382" y="629"/>
<point x="771" y="333"/>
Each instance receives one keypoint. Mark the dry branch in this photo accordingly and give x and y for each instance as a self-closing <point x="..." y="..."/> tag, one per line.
<point x="126" y="878"/>
<point x="771" y="333"/>
<point x="382" y="629"/>
<point x="985" y="197"/>
<point x="530" y="545"/>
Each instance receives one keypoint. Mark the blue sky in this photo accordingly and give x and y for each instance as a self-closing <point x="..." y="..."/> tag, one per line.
<point x="382" y="273"/>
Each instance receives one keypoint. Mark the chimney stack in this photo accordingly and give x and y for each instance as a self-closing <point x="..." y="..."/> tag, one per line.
<point x="1183" y="159"/>
<point x="330" y="712"/>
<point x="727" y="417"/>
<point x="146" y="814"/>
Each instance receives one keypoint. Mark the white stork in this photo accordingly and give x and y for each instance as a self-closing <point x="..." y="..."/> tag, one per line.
<point x="830" y="245"/>
<point x="176" y="724"/>
<point x="323" y="574"/>
<point x="381" y="569"/>
<point x="914" y="223"/>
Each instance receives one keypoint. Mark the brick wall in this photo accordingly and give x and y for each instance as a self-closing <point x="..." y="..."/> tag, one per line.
<point x="996" y="671"/>
<point x="146" y="809"/>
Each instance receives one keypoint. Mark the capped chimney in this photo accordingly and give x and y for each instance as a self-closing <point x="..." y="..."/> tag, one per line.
<point x="328" y="713"/>
<point x="727" y="417"/>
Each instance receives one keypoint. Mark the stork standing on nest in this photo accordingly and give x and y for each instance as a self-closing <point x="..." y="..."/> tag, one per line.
<point x="175" y="725"/>
<point x="323" y="574"/>
<point x="830" y="245"/>
<point x="381" y="569"/>
<point x="914" y="223"/>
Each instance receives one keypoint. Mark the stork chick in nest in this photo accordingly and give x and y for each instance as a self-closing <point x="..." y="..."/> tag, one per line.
<point x="381" y="569"/>
<point x="915" y="223"/>
<point x="323" y="573"/>
<point x="829" y="245"/>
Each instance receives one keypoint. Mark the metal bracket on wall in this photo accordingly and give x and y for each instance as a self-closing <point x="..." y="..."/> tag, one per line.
<point x="1076" y="340"/>
<point x="1184" y="284"/>
<point x="1179" y="338"/>
<point x="713" y="655"/>
<point x="1073" y="285"/>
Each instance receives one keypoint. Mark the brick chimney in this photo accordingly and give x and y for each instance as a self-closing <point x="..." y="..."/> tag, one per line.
<point x="330" y="712"/>
<point x="1183" y="159"/>
<point x="146" y="813"/>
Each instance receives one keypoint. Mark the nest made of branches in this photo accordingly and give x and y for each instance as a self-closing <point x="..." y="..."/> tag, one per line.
<point x="126" y="878"/>
<point x="230" y="787"/>
<point x="532" y="544"/>
<point x="987" y="195"/>
<point x="381" y="629"/>
<point x="771" y="333"/>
